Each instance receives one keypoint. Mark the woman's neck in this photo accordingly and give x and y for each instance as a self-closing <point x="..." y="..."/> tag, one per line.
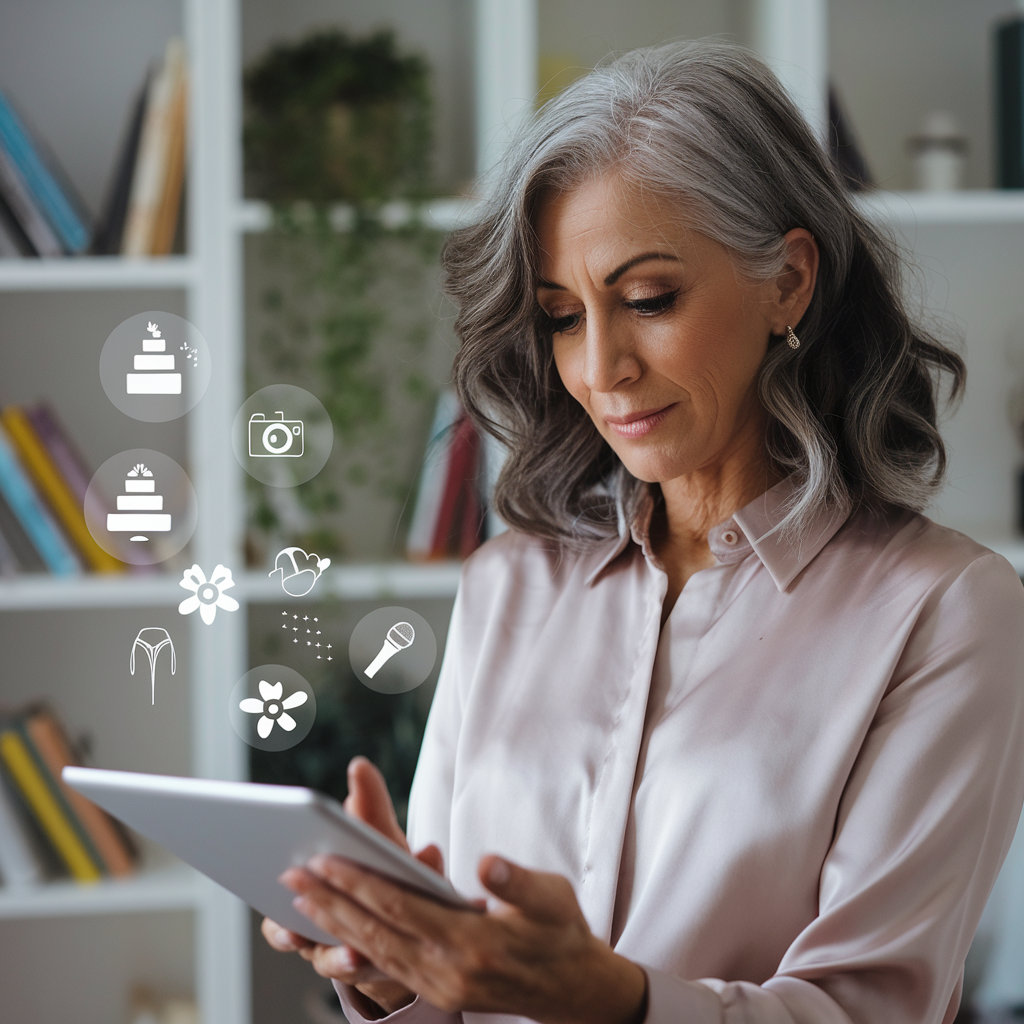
<point x="694" y="503"/>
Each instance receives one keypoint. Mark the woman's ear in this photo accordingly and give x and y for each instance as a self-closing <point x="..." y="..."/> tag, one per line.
<point x="794" y="287"/>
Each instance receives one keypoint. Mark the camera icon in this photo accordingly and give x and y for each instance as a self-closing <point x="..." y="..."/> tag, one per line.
<point x="280" y="438"/>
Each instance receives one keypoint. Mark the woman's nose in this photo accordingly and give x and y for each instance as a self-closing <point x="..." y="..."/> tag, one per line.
<point x="608" y="359"/>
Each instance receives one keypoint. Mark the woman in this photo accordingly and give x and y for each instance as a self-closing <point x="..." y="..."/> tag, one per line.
<point x="726" y="729"/>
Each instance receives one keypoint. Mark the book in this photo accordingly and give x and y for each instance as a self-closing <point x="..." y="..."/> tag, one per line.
<point x="846" y="154"/>
<point x="23" y="210"/>
<point x="110" y="227"/>
<point x="19" y="542"/>
<point x="54" y="749"/>
<point x="19" y="864"/>
<point x="35" y="457"/>
<point x="75" y="471"/>
<point x="38" y="170"/>
<point x="458" y="518"/>
<point x="13" y="243"/>
<point x="9" y="564"/>
<point x="48" y="807"/>
<point x="32" y="515"/>
<point x="1010" y="104"/>
<point x="166" y="221"/>
<point x="151" y="166"/>
<point x="433" y="475"/>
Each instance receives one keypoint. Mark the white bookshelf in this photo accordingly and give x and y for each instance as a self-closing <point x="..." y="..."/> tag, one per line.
<point x="506" y="51"/>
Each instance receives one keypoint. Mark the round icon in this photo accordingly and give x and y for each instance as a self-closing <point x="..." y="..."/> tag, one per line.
<point x="392" y="650"/>
<point x="272" y="707"/>
<point x="140" y="507"/>
<point x="155" y="366"/>
<point x="282" y="435"/>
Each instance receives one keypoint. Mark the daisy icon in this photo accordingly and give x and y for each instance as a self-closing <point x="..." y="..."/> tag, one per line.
<point x="272" y="708"/>
<point x="207" y="595"/>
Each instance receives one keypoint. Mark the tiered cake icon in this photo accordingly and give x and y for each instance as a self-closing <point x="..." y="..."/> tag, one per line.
<point x="140" y="508"/>
<point x="157" y="375"/>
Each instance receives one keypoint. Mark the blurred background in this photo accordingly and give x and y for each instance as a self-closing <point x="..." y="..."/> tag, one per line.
<point x="283" y="175"/>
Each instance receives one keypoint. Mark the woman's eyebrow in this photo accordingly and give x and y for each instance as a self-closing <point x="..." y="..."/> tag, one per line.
<point x="642" y="258"/>
<point x="618" y="271"/>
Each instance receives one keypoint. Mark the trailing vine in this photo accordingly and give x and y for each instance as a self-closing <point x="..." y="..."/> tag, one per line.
<point x="335" y="129"/>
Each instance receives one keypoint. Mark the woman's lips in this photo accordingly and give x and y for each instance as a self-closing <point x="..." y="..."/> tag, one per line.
<point x="638" y="424"/>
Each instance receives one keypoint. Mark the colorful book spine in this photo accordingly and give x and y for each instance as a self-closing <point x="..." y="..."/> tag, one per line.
<point x="166" y="220"/>
<point x="23" y="209"/>
<point x="33" y="517"/>
<point x="46" y="804"/>
<point x="48" y="479"/>
<point x="433" y="476"/>
<point x="42" y="184"/>
<point x="459" y="484"/>
<point x="18" y="540"/>
<point x="55" y="752"/>
<point x="18" y="864"/>
<point x="151" y="166"/>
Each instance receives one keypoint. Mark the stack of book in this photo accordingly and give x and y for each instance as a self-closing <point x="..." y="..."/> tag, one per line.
<point x="43" y="489"/>
<point x="40" y="214"/>
<point x="448" y="518"/>
<point x="46" y="829"/>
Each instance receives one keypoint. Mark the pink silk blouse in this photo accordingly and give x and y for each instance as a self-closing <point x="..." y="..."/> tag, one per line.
<point x="789" y="804"/>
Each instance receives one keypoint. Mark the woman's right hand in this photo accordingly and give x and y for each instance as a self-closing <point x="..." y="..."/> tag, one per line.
<point x="368" y="799"/>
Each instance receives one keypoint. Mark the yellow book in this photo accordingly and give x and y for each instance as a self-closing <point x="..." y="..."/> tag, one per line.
<point x="46" y="809"/>
<point x="47" y="477"/>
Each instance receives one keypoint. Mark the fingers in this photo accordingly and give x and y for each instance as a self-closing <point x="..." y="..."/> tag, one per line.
<point x="281" y="939"/>
<point x="400" y="909"/>
<point x="432" y="857"/>
<point x="539" y="895"/>
<point x="369" y="800"/>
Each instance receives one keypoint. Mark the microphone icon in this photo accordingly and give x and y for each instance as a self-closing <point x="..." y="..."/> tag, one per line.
<point x="400" y="636"/>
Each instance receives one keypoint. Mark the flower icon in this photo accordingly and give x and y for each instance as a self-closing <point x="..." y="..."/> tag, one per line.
<point x="273" y="708"/>
<point x="207" y="595"/>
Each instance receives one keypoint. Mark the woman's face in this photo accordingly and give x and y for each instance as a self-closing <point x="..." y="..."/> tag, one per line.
<point x="655" y="332"/>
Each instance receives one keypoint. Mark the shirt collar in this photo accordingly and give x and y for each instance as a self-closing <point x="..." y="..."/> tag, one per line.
<point x="752" y="528"/>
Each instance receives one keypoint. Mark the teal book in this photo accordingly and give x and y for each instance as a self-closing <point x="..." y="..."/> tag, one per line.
<point x="32" y="515"/>
<point x="49" y="194"/>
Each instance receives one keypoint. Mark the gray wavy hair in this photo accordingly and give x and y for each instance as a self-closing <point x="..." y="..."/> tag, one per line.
<point x="706" y="125"/>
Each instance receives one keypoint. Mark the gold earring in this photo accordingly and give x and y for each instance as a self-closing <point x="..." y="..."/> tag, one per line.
<point x="791" y="339"/>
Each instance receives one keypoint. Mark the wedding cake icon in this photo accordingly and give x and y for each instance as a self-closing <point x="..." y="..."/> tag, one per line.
<point x="139" y="508"/>
<point x="157" y="376"/>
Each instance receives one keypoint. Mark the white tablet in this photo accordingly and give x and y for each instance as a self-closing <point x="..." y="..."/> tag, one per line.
<point x="243" y="835"/>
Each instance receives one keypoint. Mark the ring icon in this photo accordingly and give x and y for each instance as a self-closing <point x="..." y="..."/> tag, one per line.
<point x="278" y="438"/>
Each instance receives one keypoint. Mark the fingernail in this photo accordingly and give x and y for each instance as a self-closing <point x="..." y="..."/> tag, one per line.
<point x="301" y="903"/>
<point x="499" y="872"/>
<point x="317" y="864"/>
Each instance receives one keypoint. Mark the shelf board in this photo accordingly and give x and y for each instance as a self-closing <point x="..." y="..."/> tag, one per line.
<point x="94" y="272"/>
<point x="910" y="209"/>
<point x="445" y="214"/>
<point x="169" y="887"/>
<point x="347" y="582"/>
<point x="364" y="582"/>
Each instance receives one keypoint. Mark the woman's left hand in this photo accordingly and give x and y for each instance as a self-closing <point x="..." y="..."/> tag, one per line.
<point x="532" y="955"/>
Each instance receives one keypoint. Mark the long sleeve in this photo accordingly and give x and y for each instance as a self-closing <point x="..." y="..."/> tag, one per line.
<point x="925" y="821"/>
<point x="430" y="801"/>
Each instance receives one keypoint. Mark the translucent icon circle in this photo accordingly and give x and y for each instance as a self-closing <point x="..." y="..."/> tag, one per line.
<point x="392" y="650"/>
<point x="140" y="507"/>
<point x="272" y="707"/>
<point x="282" y="435"/>
<point x="155" y="366"/>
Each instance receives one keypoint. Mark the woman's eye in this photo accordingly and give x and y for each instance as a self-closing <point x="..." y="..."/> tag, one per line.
<point x="564" y="324"/>
<point x="656" y="304"/>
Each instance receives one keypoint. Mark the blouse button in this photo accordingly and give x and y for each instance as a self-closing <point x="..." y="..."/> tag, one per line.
<point x="730" y="536"/>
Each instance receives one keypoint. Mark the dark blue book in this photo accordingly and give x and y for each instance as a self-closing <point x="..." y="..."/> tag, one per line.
<point x="1010" y="104"/>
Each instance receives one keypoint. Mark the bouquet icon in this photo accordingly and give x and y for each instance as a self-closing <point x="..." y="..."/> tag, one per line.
<point x="298" y="571"/>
